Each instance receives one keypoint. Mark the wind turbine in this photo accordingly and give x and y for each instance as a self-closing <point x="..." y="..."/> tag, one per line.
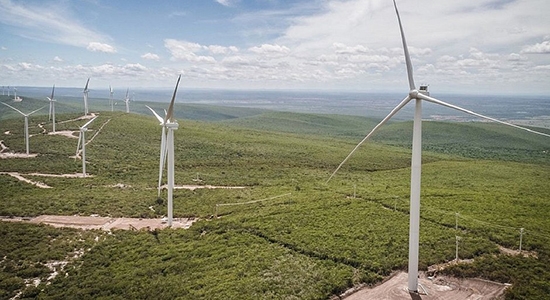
<point x="111" y="102"/>
<point x="86" y="97"/>
<point x="15" y="94"/>
<point x="416" y="163"/>
<point x="162" y="146"/>
<point x="82" y="141"/>
<point x="26" y="123"/>
<point x="167" y="149"/>
<point x="8" y="90"/>
<point x="127" y="101"/>
<point x="52" y="109"/>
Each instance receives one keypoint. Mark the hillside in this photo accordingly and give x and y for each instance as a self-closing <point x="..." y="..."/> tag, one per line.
<point x="313" y="244"/>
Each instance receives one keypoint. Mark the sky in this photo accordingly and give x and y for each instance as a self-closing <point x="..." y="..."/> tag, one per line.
<point x="482" y="46"/>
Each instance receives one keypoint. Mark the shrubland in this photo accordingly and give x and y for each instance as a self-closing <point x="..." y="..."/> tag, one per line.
<point x="316" y="242"/>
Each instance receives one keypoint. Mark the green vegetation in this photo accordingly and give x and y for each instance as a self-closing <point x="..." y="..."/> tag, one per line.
<point x="315" y="243"/>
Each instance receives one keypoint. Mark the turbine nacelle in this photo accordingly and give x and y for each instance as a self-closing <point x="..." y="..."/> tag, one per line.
<point x="172" y="125"/>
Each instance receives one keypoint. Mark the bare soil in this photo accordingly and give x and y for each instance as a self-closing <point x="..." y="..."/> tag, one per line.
<point x="436" y="288"/>
<point x="104" y="223"/>
<point x="194" y="187"/>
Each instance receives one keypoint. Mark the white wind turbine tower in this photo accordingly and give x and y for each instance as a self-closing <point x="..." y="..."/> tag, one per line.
<point x="418" y="96"/>
<point x="111" y="101"/>
<point x="168" y="150"/>
<point x="85" y="92"/>
<point x="8" y="90"/>
<point x="26" y="123"/>
<point x="15" y="95"/>
<point x="162" y="146"/>
<point x="52" y="109"/>
<point x="127" y="101"/>
<point x="82" y="142"/>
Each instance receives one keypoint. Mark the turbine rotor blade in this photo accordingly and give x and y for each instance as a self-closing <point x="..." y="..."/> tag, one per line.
<point x="53" y="90"/>
<point x="32" y="112"/>
<point x="163" y="152"/>
<point x="88" y="123"/>
<point x="86" y="87"/>
<point x="17" y="110"/>
<point x="436" y="101"/>
<point x="406" y="51"/>
<point x="78" y="145"/>
<point x="156" y="115"/>
<point x="170" y="113"/>
<point x="391" y="114"/>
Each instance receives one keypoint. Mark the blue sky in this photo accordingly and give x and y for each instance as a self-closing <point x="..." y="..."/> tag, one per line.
<point x="483" y="46"/>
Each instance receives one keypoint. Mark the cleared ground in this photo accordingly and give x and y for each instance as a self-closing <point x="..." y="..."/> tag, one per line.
<point x="104" y="223"/>
<point x="437" y="288"/>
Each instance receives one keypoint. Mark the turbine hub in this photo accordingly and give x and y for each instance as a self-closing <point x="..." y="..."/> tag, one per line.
<point x="413" y="94"/>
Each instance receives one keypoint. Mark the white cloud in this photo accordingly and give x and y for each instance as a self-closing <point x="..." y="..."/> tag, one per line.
<point x="4" y="48"/>
<point x="47" y="22"/>
<point x="270" y="49"/>
<point x="135" y="68"/>
<point x="150" y="56"/>
<point x="235" y="60"/>
<point x="216" y="49"/>
<point x="185" y="51"/>
<point x="57" y="59"/>
<point x="100" y="47"/>
<point x="516" y="57"/>
<point x="343" y="49"/>
<point x="224" y="2"/>
<point x="539" y="48"/>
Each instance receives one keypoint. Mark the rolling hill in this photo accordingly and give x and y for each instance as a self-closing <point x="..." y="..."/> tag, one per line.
<point x="314" y="244"/>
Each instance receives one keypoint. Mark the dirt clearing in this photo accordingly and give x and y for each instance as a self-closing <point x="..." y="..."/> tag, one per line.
<point x="437" y="288"/>
<point x="104" y="223"/>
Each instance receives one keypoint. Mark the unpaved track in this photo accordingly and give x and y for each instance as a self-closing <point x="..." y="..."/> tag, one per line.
<point x="104" y="223"/>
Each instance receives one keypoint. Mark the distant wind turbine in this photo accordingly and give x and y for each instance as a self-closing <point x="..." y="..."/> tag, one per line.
<point x="15" y="98"/>
<point x="163" y="151"/>
<point x="127" y="100"/>
<point x="111" y="101"/>
<point x="26" y="123"/>
<point x="416" y="162"/>
<point x="167" y="149"/>
<point x="3" y="92"/>
<point x="82" y="144"/>
<point x="85" y="92"/>
<point x="8" y="90"/>
<point x="52" y="109"/>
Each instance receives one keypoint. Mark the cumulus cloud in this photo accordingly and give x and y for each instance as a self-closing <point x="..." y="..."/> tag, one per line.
<point x="150" y="56"/>
<point x="57" y="59"/>
<point x="187" y="51"/>
<point x="216" y="49"/>
<point x="100" y="47"/>
<point x="344" y="49"/>
<point x="270" y="49"/>
<point x="539" y="48"/>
